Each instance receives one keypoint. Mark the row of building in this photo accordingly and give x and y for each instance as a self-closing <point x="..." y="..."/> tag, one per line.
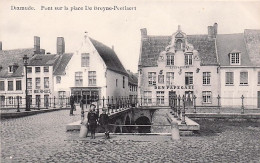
<point x="93" y="71"/>
<point x="219" y="69"/>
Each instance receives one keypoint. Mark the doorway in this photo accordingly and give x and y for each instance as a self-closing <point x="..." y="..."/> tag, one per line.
<point x="171" y="95"/>
<point x="189" y="99"/>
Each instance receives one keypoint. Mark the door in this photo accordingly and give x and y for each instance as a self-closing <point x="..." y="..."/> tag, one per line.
<point x="38" y="100"/>
<point x="188" y="98"/>
<point x="258" y="99"/>
<point x="171" y="96"/>
<point x="46" y="101"/>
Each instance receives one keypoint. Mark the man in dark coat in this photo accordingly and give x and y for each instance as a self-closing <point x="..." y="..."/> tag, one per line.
<point x="72" y="101"/>
<point x="92" y="120"/>
<point x="103" y="121"/>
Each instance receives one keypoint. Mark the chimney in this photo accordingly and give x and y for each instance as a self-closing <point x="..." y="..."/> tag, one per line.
<point x="210" y="32"/>
<point x="37" y="45"/>
<point x="1" y="45"/>
<point x="60" y="45"/>
<point x="143" y="32"/>
<point x="215" y="29"/>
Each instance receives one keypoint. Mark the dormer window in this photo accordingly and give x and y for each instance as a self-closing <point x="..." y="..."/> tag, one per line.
<point x="10" y="69"/>
<point x="235" y="58"/>
<point x="179" y="44"/>
<point x="188" y="58"/>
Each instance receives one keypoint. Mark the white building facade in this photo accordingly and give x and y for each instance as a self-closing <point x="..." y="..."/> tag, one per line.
<point x="93" y="72"/>
<point x="177" y="65"/>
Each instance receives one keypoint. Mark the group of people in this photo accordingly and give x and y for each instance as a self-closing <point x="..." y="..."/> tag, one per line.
<point x="94" y="120"/>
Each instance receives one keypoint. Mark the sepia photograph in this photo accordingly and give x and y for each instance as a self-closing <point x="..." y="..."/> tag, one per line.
<point x="129" y="81"/>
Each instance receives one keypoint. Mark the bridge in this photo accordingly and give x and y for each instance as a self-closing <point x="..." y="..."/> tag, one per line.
<point x="125" y="117"/>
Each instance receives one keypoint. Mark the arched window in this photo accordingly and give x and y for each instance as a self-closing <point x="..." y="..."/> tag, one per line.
<point x="179" y="44"/>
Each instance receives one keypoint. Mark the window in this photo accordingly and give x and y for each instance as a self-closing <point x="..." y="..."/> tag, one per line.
<point x="178" y="44"/>
<point x="58" y="79"/>
<point x="161" y="79"/>
<point x="92" y="78"/>
<point x="229" y="78"/>
<point x="38" y="100"/>
<point x="10" y="69"/>
<point x="152" y="78"/>
<point x="234" y="58"/>
<point x="169" y="78"/>
<point x="62" y="96"/>
<point x="18" y="85"/>
<point x="29" y="83"/>
<point x="29" y="69"/>
<point x="160" y="97"/>
<point x="37" y="83"/>
<point x="243" y="78"/>
<point x="123" y="82"/>
<point x="188" y="59"/>
<point x="188" y="78"/>
<point x="10" y="99"/>
<point x="84" y="60"/>
<point x="2" y="85"/>
<point x="37" y="69"/>
<point x="147" y="97"/>
<point x="170" y="60"/>
<point x="10" y="86"/>
<point x="206" y="78"/>
<point x="46" y="82"/>
<point x="206" y="95"/>
<point x="20" y="99"/>
<point x="259" y="77"/>
<point x="78" y="79"/>
<point x="46" y="69"/>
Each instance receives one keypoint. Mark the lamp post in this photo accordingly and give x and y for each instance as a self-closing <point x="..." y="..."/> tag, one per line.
<point x="25" y="61"/>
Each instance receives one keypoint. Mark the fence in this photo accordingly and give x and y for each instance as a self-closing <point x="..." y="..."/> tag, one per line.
<point x="110" y="102"/>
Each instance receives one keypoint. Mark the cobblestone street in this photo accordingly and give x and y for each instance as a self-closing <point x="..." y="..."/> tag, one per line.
<point x="42" y="138"/>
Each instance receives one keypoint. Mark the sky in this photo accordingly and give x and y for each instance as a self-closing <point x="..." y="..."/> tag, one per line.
<point x="120" y="29"/>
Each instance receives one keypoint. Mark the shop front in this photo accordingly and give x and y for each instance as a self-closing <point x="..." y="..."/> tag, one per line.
<point x="89" y="94"/>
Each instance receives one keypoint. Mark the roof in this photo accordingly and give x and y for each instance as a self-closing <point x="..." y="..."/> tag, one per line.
<point x="62" y="63"/>
<point x="43" y="60"/>
<point x="11" y="57"/>
<point x="58" y="61"/>
<point x="132" y="78"/>
<point x="228" y="43"/>
<point x="153" y="45"/>
<point x="109" y="57"/>
<point x="252" y="40"/>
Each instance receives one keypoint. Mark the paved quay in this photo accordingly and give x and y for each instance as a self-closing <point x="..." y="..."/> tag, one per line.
<point x="43" y="138"/>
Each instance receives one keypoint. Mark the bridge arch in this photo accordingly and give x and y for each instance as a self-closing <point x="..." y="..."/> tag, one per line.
<point x="143" y="120"/>
<point x="127" y="129"/>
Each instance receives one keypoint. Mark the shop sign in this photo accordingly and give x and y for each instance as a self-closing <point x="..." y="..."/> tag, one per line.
<point x="174" y="87"/>
<point x="42" y="91"/>
<point x="178" y="67"/>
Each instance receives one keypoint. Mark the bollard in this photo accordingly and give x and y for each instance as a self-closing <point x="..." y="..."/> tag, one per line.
<point x="112" y="108"/>
<point x="175" y="106"/>
<point x="175" y="131"/>
<point x="54" y="102"/>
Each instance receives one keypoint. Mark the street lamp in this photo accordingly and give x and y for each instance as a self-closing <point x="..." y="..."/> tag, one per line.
<point x="25" y="61"/>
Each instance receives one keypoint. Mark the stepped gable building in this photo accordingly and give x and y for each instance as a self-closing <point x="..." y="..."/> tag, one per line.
<point x="239" y="59"/>
<point x="12" y="76"/>
<point x="93" y="72"/>
<point x="178" y="64"/>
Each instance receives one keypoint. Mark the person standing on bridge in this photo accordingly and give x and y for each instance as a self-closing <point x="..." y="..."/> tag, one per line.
<point x="103" y="121"/>
<point x="72" y="102"/>
<point x="92" y="120"/>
